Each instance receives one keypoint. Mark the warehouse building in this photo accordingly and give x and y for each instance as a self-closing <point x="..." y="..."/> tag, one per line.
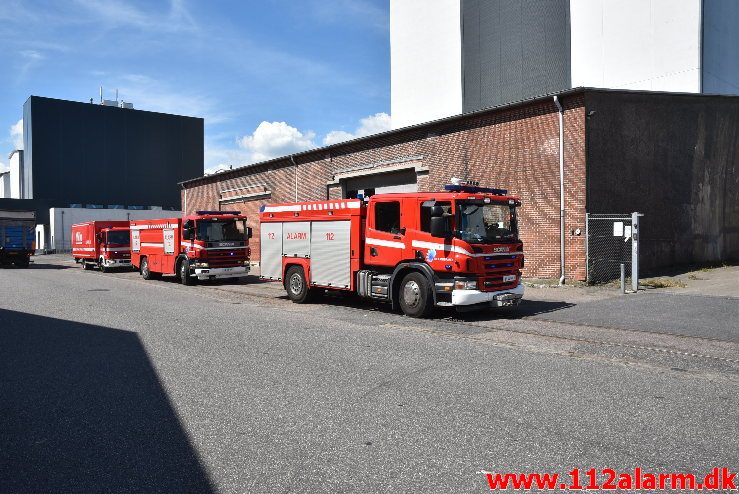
<point x="673" y="157"/>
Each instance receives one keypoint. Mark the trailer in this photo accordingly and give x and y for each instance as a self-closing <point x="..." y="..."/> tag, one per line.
<point x="457" y="248"/>
<point x="17" y="237"/>
<point x="203" y="246"/>
<point x="102" y="244"/>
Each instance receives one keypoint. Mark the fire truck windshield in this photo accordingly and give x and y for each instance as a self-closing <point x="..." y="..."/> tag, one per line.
<point x="221" y="230"/>
<point x="118" y="237"/>
<point x="480" y="223"/>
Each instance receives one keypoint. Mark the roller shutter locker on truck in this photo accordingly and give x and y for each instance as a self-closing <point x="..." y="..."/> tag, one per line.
<point x="296" y="239"/>
<point x="271" y="251"/>
<point x="331" y="253"/>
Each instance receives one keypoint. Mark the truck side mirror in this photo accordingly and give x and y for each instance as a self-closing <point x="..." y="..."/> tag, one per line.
<point x="249" y="232"/>
<point x="439" y="226"/>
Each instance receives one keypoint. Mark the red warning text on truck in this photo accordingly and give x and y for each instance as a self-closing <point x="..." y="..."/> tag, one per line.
<point x="457" y="248"/>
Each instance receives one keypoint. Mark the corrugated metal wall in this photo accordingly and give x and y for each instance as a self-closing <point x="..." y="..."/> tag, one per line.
<point x="514" y="50"/>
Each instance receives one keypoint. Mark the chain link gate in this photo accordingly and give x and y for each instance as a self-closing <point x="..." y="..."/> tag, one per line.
<point x="610" y="240"/>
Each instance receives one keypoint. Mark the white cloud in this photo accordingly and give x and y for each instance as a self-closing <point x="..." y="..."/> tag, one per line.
<point x="273" y="139"/>
<point x="374" y="124"/>
<point x="16" y="134"/>
<point x="116" y="13"/>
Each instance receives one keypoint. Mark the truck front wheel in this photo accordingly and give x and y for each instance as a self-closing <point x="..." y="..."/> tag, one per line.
<point x="101" y="263"/>
<point x="297" y="286"/>
<point x="414" y="295"/>
<point x="184" y="272"/>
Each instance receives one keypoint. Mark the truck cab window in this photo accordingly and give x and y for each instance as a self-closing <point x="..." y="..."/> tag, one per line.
<point x="387" y="216"/>
<point x="426" y="214"/>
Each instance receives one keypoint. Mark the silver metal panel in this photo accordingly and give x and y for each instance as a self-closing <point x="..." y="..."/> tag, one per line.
<point x="296" y="239"/>
<point x="270" y="241"/>
<point x="330" y="253"/>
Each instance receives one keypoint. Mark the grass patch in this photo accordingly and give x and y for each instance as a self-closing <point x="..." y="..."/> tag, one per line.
<point x="663" y="283"/>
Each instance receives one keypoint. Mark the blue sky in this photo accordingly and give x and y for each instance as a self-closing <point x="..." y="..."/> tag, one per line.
<point x="269" y="77"/>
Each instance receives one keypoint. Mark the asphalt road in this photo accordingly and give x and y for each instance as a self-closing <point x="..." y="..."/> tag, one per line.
<point x="109" y="383"/>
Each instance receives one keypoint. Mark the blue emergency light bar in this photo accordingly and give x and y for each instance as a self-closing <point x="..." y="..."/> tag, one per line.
<point x="203" y="213"/>
<point x="472" y="189"/>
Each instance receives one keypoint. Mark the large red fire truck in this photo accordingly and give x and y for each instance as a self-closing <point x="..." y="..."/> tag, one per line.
<point x="456" y="248"/>
<point x="206" y="245"/>
<point x="104" y="244"/>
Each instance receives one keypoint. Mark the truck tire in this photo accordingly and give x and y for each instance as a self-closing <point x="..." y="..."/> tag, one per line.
<point x="414" y="296"/>
<point x="145" y="271"/>
<point x="183" y="272"/>
<point x="297" y="286"/>
<point x="24" y="263"/>
<point x="85" y="266"/>
<point x="101" y="264"/>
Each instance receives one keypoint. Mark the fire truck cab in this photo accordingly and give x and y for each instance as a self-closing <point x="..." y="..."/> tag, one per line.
<point x="206" y="245"/>
<point x="456" y="248"/>
<point x="105" y="244"/>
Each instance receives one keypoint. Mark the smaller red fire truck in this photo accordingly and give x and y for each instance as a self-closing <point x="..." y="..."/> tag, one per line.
<point x="105" y="244"/>
<point x="206" y="245"/>
<point x="457" y="248"/>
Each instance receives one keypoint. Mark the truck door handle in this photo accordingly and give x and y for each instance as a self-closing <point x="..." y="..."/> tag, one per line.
<point x="396" y="237"/>
<point x="373" y="252"/>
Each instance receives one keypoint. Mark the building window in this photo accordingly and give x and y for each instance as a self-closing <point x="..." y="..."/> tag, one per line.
<point x="387" y="216"/>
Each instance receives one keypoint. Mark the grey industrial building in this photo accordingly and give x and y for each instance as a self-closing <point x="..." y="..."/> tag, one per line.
<point x="106" y="155"/>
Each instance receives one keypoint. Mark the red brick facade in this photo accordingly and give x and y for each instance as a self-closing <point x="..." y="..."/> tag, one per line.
<point x="516" y="147"/>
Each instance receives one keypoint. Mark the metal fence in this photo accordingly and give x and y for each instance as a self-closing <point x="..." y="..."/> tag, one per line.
<point x="609" y="244"/>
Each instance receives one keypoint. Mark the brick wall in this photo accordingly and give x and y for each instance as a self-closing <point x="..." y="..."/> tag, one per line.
<point x="515" y="148"/>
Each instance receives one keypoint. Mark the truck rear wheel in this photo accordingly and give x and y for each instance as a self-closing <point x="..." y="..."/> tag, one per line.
<point x="183" y="272"/>
<point x="414" y="295"/>
<point x="85" y="266"/>
<point x="297" y="286"/>
<point x="145" y="271"/>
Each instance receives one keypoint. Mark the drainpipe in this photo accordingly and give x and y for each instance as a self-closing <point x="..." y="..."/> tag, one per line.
<point x="296" y="177"/>
<point x="561" y="113"/>
<point x="184" y="212"/>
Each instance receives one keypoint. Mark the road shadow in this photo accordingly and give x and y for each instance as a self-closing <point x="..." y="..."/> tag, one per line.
<point x="43" y="265"/>
<point x="527" y="308"/>
<point x="82" y="410"/>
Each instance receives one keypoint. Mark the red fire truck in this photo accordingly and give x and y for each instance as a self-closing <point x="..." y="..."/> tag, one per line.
<point x="456" y="248"/>
<point x="104" y="244"/>
<point x="206" y="245"/>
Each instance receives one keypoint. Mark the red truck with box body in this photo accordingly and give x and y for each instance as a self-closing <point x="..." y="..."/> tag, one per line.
<point x="457" y="248"/>
<point x="105" y="244"/>
<point x="206" y="245"/>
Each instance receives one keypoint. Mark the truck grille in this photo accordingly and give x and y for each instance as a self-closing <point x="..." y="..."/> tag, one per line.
<point x="225" y="258"/>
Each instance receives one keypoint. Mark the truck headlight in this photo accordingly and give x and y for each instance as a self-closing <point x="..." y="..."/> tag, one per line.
<point x="465" y="285"/>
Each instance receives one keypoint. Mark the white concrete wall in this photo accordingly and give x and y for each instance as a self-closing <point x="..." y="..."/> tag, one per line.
<point x="62" y="219"/>
<point x="5" y="186"/>
<point x="16" y="175"/>
<point x="425" y="60"/>
<point x="637" y="44"/>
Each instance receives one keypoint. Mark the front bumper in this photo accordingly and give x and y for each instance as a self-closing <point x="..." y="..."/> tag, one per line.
<point x="220" y="273"/>
<point x="503" y="298"/>
<point x="117" y="263"/>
